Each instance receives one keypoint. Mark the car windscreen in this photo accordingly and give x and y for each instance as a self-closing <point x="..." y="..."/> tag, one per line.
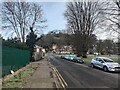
<point x="108" y="60"/>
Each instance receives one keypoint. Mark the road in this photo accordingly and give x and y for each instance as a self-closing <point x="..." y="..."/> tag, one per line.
<point x="83" y="76"/>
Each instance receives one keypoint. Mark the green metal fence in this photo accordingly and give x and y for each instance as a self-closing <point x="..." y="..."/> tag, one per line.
<point x="13" y="59"/>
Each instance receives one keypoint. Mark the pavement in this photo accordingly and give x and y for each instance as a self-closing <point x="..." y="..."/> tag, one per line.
<point x="0" y="84"/>
<point x="83" y="76"/>
<point x="43" y="77"/>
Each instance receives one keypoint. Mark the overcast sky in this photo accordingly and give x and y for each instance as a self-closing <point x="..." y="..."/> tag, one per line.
<point x="54" y="13"/>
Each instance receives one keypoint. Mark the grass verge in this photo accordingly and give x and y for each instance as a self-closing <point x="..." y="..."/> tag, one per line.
<point x="19" y="80"/>
<point x="113" y="57"/>
<point x="89" y="57"/>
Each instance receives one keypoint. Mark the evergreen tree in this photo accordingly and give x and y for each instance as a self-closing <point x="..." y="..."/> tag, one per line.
<point x="31" y="41"/>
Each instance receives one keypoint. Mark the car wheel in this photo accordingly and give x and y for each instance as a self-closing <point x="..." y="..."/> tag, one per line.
<point x="92" y="65"/>
<point x="105" y="68"/>
<point x="82" y="61"/>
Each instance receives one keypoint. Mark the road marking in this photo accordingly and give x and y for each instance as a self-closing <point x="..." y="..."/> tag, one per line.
<point x="62" y="81"/>
<point x="59" y="78"/>
<point x="62" y="78"/>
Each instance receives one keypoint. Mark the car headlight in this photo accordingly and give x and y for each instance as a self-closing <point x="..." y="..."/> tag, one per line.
<point x="110" y="66"/>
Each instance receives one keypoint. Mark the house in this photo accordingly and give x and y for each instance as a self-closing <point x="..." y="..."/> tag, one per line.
<point x="39" y="52"/>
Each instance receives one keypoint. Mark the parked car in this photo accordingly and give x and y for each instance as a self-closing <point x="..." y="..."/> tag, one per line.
<point x="78" y="60"/>
<point x="65" y="57"/>
<point x="70" y="57"/>
<point x="106" y="64"/>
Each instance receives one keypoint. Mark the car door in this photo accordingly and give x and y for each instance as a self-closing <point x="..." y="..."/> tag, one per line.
<point x="96" y="62"/>
<point x="100" y="63"/>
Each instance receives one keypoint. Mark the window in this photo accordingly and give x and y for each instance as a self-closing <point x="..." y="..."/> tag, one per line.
<point x="108" y="60"/>
<point x="96" y="59"/>
<point x="100" y="60"/>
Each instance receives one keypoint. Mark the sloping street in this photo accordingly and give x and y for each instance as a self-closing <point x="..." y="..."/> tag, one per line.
<point x="83" y="76"/>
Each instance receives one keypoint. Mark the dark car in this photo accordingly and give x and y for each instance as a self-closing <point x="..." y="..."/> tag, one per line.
<point x="78" y="60"/>
<point x="62" y="56"/>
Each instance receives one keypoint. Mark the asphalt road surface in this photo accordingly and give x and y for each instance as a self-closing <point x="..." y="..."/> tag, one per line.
<point x="83" y="76"/>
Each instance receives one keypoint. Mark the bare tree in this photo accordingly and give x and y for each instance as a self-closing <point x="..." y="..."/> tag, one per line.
<point x="20" y="16"/>
<point x="112" y="16"/>
<point x="82" y="18"/>
<point x="117" y="15"/>
<point x="36" y="17"/>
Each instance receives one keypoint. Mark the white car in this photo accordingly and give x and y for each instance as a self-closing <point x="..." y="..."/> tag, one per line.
<point x="106" y="64"/>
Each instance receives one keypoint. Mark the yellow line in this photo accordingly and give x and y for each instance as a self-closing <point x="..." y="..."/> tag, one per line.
<point x="59" y="78"/>
<point x="62" y="81"/>
<point x="62" y="78"/>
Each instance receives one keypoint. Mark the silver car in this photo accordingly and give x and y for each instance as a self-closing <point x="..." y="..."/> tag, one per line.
<point x="106" y="64"/>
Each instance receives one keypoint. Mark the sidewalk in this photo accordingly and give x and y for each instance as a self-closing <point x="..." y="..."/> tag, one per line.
<point x="43" y="77"/>
<point x="0" y="84"/>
